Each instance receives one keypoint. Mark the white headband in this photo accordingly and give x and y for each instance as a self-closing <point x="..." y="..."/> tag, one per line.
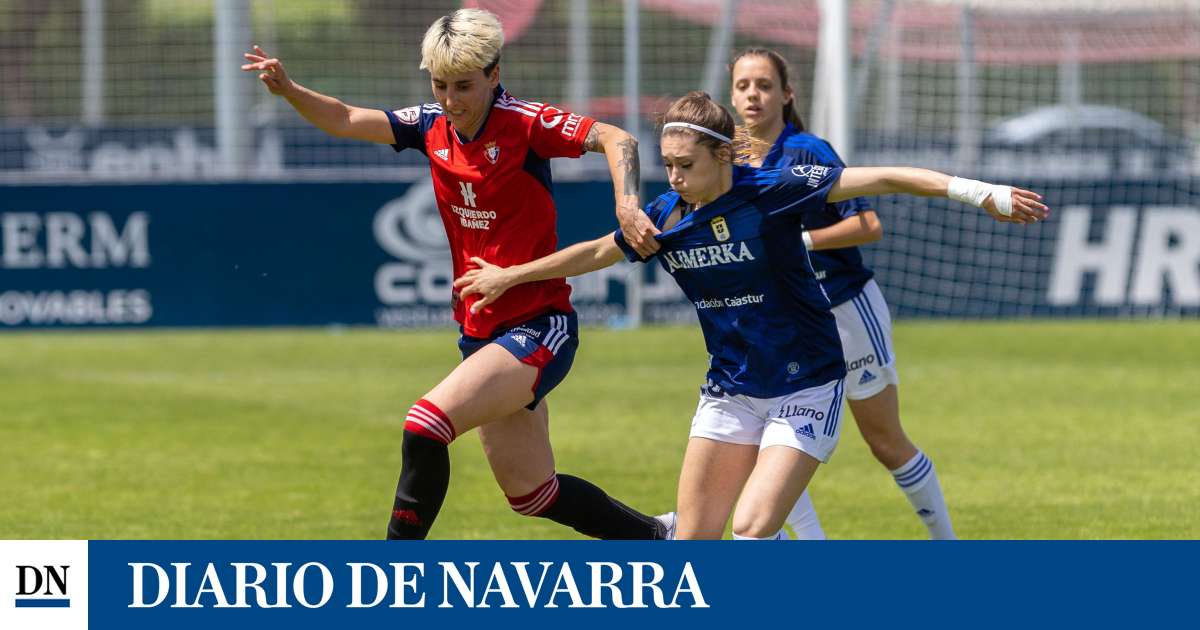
<point x="699" y="128"/>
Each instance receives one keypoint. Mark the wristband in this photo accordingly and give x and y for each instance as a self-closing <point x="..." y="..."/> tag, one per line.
<point x="976" y="192"/>
<point x="808" y="244"/>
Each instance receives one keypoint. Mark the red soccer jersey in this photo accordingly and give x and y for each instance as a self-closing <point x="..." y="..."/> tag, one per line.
<point x="494" y="194"/>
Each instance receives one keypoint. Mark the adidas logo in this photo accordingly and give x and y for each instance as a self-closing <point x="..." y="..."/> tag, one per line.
<point x="924" y="512"/>
<point x="807" y="431"/>
<point x="443" y="153"/>
<point x="867" y="377"/>
<point x="520" y="339"/>
<point x="408" y="517"/>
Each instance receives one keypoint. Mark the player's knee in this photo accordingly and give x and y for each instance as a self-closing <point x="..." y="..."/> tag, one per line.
<point x="425" y="419"/>
<point x="891" y="451"/>
<point x="755" y="524"/>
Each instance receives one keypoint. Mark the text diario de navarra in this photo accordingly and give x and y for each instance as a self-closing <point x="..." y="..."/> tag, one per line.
<point x="507" y="585"/>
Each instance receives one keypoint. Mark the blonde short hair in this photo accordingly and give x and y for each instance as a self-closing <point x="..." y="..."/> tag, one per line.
<point x="462" y="42"/>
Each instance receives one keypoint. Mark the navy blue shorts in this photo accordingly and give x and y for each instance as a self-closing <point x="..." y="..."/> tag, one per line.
<point x="547" y="342"/>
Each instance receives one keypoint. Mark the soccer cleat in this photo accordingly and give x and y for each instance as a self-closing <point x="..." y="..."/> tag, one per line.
<point x="666" y="525"/>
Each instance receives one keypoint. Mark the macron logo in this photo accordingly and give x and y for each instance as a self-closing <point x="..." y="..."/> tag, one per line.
<point x="443" y="153"/>
<point x="807" y="431"/>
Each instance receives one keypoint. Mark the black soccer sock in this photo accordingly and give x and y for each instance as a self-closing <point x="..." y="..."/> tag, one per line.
<point x="590" y="511"/>
<point x="424" y="478"/>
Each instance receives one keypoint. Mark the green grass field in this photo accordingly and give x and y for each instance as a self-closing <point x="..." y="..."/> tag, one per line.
<point x="1039" y="430"/>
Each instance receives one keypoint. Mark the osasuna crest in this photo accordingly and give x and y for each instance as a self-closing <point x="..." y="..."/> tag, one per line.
<point x="720" y="229"/>
<point x="409" y="115"/>
<point x="492" y="152"/>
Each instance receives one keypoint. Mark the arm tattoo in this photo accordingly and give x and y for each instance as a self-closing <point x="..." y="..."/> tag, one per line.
<point x="592" y="141"/>
<point x="632" y="164"/>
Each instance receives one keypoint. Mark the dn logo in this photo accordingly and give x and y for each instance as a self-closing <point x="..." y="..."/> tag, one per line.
<point x="30" y="581"/>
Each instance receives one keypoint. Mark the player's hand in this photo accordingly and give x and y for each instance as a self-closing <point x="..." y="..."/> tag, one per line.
<point x="273" y="73"/>
<point x="1026" y="208"/>
<point x="489" y="281"/>
<point x="639" y="231"/>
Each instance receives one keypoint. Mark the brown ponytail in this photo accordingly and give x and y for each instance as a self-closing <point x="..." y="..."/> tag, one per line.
<point x="790" y="113"/>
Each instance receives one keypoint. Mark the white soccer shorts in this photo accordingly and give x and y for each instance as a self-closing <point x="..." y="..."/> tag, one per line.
<point x="809" y="420"/>
<point x="866" y="330"/>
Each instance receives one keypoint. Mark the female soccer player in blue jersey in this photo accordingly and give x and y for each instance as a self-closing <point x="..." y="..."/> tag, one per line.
<point x="732" y="239"/>
<point x="766" y="104"/>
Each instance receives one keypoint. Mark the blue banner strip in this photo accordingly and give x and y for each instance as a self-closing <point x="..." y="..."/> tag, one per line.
<point x="43" y="603"/>
<point x="598" y="584"/>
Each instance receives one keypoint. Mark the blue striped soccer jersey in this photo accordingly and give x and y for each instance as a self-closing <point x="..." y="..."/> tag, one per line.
<point x="841" y="271"/>
<point x="741" y="261"/>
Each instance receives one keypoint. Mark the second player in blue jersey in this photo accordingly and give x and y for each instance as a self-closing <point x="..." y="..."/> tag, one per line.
<point x="761" y="93"/>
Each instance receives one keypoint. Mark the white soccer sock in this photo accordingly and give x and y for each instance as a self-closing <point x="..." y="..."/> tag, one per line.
<point x="804" y="521"/>
<point x="780" y="535"/>
<point x="919" y="482"/>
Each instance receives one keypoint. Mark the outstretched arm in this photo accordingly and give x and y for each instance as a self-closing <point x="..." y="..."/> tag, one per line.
<point x="491" y="281"/>
<point x="621" y="149"/>
<point x="327" y="113"/>
<point x="860" y="182"/>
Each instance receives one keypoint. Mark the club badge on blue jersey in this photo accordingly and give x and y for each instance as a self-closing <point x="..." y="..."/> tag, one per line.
<point x="492" y="152"/>
<point x="720" y="229"/>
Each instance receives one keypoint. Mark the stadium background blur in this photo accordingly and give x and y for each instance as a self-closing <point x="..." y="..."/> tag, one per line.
<point x="146" y="182"/>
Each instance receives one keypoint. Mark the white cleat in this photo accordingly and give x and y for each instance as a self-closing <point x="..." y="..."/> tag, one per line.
<point x="668" y="522"/>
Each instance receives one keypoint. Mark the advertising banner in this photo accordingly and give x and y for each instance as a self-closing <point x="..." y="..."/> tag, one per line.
<point x="1111" y="247"/>
<point x="376" y="254"/>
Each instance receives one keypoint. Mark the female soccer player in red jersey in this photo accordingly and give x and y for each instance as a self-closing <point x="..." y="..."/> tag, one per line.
<point x="732" y="240"/>
<point x="765" y="102"/>
<point x="489" y="153"/>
